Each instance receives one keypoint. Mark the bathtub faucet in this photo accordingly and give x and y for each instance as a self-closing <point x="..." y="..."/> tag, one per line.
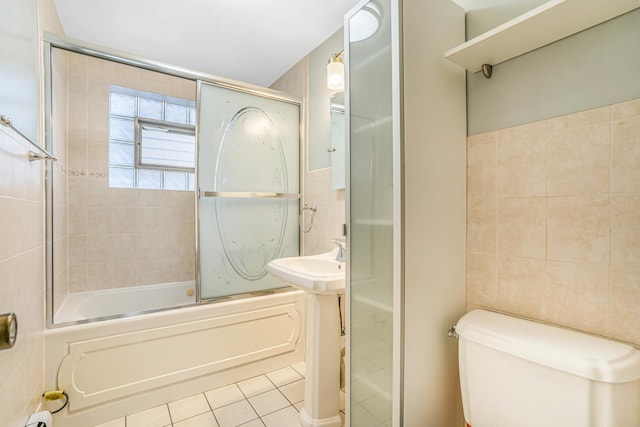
<point x="340" y="243"/>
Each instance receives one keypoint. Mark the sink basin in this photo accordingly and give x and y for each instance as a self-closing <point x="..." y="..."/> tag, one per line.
<point x="320" y="274"/>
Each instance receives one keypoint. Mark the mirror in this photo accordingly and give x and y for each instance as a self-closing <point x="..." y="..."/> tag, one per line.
<point x="337" y="148"/>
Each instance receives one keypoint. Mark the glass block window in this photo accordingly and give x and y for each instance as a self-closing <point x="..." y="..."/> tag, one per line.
<point x="151" y="141"/>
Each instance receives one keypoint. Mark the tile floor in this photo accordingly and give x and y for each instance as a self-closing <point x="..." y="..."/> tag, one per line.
<point x="270" y="400"/>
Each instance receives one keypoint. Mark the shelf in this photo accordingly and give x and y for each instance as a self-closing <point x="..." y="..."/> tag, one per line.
<point x="550" y="22"/>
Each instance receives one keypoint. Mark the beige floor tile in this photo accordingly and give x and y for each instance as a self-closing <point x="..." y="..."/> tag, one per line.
<point x="294" y="392"/>
<point x="203" y="420"/>
<point x="224" y="396"/>
<point x="255" y="423"/>
<point x="284" y="376"/>
<point x="287" y="417"/>
<point x="155" y="417"/>
<point x="235" y="414"/>
<point x="300" y="368"/>
<point x="189" y="407"/>
<point x="256" y="385"/>
<point x="268" y="402"/>
<point x="115" y="423"/>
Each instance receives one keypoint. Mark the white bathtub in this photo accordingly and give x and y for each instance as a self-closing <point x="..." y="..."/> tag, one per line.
<point x="113" y="302"/>
<point x="120" y="366"/>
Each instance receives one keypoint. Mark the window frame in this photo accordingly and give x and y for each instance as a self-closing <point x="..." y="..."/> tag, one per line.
<point x="136" y="167"/>
<point x="171" y="127"/>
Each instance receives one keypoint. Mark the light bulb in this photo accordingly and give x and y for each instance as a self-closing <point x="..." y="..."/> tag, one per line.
<point x="335" y="74"/>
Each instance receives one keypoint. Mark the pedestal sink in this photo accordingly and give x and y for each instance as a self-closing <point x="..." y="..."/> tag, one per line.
<point x="323" y="279"/>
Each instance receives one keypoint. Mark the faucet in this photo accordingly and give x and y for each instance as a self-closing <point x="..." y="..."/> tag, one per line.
<point x="340" y="243"/>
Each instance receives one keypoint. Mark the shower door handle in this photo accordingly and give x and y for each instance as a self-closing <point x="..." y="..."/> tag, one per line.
<point x="248" y="194"/>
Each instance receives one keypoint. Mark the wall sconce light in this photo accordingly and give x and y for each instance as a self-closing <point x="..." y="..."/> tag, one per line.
<point x="335" y="72"/>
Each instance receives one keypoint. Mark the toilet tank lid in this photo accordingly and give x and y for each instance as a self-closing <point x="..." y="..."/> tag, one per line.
<point x="573" y="352"/>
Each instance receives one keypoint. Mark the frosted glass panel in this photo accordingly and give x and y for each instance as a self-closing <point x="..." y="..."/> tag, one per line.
<point x="371" y="218"/>
<point x="121" y="153"/>
<point x="150" y="109"/>
<point x="123" y="105"/>
<point x="121" y="129"/>
<point x="121" y="177"/>
<point x="177" y="113"/>
<point x="247" y="144"/>
<point x="175" y="180"/>
<point x="150" y="179"/>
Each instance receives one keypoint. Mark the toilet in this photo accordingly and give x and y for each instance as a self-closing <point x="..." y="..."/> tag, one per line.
<point x="519" y="373"/>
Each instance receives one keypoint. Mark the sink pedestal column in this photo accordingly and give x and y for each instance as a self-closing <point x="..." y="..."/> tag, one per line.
<point x="322" y="384"/>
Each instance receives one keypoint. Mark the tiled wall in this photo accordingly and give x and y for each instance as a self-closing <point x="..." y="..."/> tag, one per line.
<point x="317" y="191"/>
<point x="554" y="221"/>
<point x="21" y="278"/>
<point x="119" y="237"/>
<point x="22" y="282"/>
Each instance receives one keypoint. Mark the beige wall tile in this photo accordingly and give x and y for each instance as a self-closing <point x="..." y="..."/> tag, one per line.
<point x="625" y="110"/>
<point x="188" y="89"/>
<point x="625" y="212"/>
<point x="99" y="276"/>
<point x="77" y="220"/>
<point x="572" y="257"/>
<point x="99" y="220"/>
<point x="123" y="220"/>
<point x="98" y="157"/>
<point x="580" y="119"/>
<point x="522" y="286"/>
<point x="124" y="247"/>
<point x="522" y="227"/>
<point x="125" y="274"/>
<point x="625" y="156"/>
<point x="482" y="280"/>
<point x="578" y="229"/>
<point x="77" y="249"/>
<point x="625" y="305"/>
<point x="579" y="296"/>
<point x="77" y="191"/>
<point x="625" y="249"/>
<point x="482" y="166"/>
<point x="521" y="161"/>
<point x="21" y="278"/>
<point x="99" y="248"/>
<point x="578" y="161"/>
<point x="149" y="81"/>
<point x="78" y="274"/>
<point x="125" y="76"/>
<point x="482" y="226"/>
<point x="625" y="231"/>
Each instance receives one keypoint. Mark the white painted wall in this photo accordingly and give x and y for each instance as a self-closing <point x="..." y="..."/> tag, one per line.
<point x="434" y="210"/>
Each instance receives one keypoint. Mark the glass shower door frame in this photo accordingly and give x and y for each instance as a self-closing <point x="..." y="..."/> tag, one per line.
<point x="397" y="303"/>
<point x="222" y="194"/>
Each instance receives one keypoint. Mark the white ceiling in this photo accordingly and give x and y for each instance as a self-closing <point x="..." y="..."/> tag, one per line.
<point x="254" y="41"/>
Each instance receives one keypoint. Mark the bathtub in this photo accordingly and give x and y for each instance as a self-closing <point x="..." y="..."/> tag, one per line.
<point x="115" y="367"/>
<point x="80" y="306"/>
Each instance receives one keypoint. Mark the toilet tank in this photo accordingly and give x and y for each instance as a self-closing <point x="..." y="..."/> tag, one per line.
<point x="519" y="373"/>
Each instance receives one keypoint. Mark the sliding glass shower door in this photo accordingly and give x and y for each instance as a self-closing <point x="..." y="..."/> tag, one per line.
<point x="248" y="189"/>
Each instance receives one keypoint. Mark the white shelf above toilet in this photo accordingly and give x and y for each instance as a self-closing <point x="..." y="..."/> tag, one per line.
<point x="550" y="22"/>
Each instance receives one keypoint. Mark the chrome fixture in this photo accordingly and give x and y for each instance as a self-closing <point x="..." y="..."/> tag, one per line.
<point x="452" y="332"/>
<point x="42" y="155"/>
<point x="311" y="209"/>
<point x="339" y="242"/>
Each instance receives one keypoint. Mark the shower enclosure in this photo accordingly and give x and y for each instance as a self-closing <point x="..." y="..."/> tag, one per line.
<point x="173" y="187"/>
